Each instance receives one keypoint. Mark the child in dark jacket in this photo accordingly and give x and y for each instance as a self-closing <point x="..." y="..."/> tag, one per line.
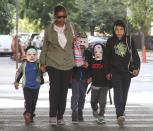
<point x="31" y="80"/>
<point x="120" y="52"/>
<point x="99" y="86"/>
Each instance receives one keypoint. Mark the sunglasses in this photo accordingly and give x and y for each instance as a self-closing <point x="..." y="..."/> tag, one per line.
<point x="59" y="17"/>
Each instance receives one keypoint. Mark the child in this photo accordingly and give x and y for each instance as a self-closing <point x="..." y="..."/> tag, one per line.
<point x="32" y="78"/>
<point x="120" y="52"/>
<point x="99" y="86"/>
<point x="79" y="85"/>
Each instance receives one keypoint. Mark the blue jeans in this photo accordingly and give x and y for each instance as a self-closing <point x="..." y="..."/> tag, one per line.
<point x="78" y="95"/>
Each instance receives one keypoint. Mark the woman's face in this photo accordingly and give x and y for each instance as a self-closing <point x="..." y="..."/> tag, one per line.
<point x="60" y="18"/>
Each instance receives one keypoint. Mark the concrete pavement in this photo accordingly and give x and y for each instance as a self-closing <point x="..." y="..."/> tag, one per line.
<point x="139" y="111"/>
<point x="138" y="118"/>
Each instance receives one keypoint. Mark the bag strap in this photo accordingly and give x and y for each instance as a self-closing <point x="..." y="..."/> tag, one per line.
<point x="130" y="51"/>
<point x="72" y="29"/>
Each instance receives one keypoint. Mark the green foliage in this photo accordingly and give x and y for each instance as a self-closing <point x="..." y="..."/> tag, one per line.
<point x="142" y="15"/>
<point x="6" y="10"/>
<point x="99" y="13"/>
<point x="26" y="26"/>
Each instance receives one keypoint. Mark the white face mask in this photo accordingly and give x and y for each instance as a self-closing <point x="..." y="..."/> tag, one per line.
<point x="98" y="52"/>
<point x="31" y="55"/>
<point x="84" y="42"/>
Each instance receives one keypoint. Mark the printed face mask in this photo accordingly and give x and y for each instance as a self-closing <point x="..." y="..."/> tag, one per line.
<point x="31" y="55"/>
<point x="98" y="52"/>
<point x="84" y="42"/>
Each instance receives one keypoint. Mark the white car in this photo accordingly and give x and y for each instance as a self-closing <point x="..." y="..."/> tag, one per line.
<point x="5" y="44"/>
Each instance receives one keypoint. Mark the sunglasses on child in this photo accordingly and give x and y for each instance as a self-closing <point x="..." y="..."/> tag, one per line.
<point x="59" y="17"/>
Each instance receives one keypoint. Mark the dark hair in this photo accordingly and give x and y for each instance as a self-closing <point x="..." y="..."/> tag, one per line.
<point x="30" y="47"/>
<point x="103" y="47"/>
<point x="119" y="23"/>
<point x="59" y="8"/>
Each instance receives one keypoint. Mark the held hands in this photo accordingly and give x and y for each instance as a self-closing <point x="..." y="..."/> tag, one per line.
<point x="43" y="68"/>
<point x="109" y="76"/>
<point x="16" y="85"/>
<point x="135" y="72"/>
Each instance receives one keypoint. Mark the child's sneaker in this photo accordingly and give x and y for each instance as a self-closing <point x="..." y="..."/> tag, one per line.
<point x="32" y="116"/>
<point x="120" y="120"/>
<point x="60" y="122"/>
<point x="95" y="113"/>
<point x="27" y="118"/>
<point x="53" y="120"/>
<point x="74" y="116"/>
<point x="80" y="116"/>
<point x="101" y="120"/>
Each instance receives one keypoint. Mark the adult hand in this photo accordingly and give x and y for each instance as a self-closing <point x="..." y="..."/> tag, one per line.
<point x="43" y="68"/>
<point x="16" y="85"/>
<point x="109" y="76"/>
<point x="135" y="72"/>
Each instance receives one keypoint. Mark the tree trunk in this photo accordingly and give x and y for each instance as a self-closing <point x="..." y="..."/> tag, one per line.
<point x="92" y="30"/>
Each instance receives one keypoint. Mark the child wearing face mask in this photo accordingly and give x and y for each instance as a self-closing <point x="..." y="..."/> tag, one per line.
<point x="99" y="86"/>
<point x="31" y="81"/>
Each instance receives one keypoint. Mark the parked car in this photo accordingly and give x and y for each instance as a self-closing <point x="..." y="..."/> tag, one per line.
<point x="37" y="41"/>
<point x="31" y="37"/>
<point x="5" y="44"/>
<point x="96" y="39"/>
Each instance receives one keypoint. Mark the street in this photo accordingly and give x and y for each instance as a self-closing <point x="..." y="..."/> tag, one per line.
<point x="139" y="111"/>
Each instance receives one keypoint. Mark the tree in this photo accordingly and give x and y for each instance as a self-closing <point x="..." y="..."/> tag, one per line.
<point x="42" y="10"/>
<point x="99" y="13"/>
<point x="6" y="8"/>
<point x="142" y="14"/>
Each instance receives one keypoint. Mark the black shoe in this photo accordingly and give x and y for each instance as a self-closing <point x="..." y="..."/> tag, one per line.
<point x="74" y="116"/>
<point x="80" y="116"/>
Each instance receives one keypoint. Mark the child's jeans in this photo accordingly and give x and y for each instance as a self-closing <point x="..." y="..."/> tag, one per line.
<point x="99" y="96"/>
<point x="31" y="97"/>
<point x="78" y="95"/>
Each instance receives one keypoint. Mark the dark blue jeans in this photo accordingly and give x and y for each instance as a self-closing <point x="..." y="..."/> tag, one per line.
<point x="31" y="97"/>
<point x="78" y="95"/>
<point x="121" y="83"/>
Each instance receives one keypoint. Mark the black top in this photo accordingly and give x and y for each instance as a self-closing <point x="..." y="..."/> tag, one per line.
<point x="117" y="54"/>
<point x="98" y="73"/>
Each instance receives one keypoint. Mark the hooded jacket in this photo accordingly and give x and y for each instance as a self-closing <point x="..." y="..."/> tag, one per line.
<point x="117" y="54"/>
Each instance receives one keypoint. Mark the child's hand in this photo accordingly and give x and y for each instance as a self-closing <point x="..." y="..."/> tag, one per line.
<point x="89" y="80"/>
<point x="16" y="85"/>
<point x="109" y="76"/>
<point x="85" y="65"/>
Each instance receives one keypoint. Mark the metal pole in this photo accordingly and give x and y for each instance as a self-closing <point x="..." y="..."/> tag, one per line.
<point x="17" y="17"/>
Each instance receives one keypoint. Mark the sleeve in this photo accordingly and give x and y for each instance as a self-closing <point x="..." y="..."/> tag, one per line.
<point x="107" y="56"/>
<point x="44" y="48"/>
<point x="19" y="74"/>
<point x="135" y="55"/>
<point x="90" y="70"/>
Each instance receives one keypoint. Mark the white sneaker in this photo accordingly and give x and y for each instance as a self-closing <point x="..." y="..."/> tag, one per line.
<point x="53" y="120"/>
<point x="60" y="122"/>
<point x="101" y="120"/>
<point x="120" y="120"/>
